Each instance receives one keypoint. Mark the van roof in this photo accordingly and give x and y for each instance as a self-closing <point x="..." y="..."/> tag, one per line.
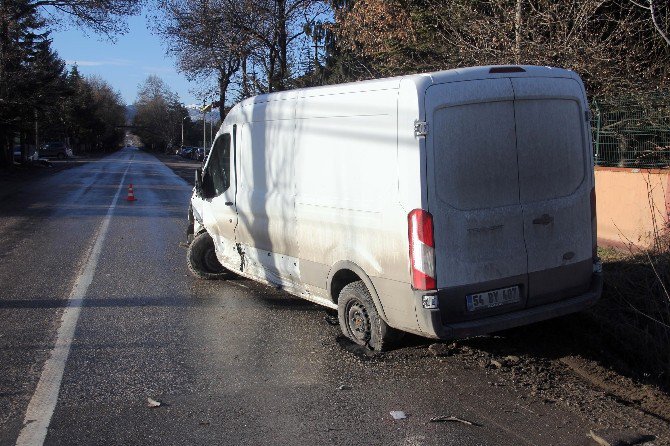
<point x="421" y="80"/>
<point x="492" y="71"/>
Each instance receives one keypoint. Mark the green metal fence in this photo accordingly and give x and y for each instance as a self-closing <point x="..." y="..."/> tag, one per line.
<point x="632" y="131"/>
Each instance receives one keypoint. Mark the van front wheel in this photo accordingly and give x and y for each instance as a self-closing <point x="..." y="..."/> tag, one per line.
<point x="201" y="258"/>
<point x="359" y="319"/>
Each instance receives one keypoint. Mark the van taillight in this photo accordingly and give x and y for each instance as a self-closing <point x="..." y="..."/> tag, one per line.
<point x="594" y="225"/>
<point x="422" y="249"/>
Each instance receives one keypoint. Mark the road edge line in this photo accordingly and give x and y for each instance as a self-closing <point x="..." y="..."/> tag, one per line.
<point x="43" y="402"/>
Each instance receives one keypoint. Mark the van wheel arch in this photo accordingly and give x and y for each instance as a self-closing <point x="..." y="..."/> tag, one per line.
<point x="201" y="258"/>
<point x="359" y="319"/>
<point x="345" y="272"/>
<point x="191" y="231"/>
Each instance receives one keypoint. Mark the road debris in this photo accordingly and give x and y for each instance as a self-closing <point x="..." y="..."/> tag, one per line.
<point x="152" y="403"/>
<point x="441" y="349"/>
<point x="398" y="414"/>
<point x="496" y="364"/>
<point x="612" y="437"/>
<point x="344" y="387"/>
<point x="445" y="419"/>
<point x="332" y="320"/>
<point x="512" y="359"/>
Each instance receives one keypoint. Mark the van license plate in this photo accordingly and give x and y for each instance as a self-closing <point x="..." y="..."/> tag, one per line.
<point x="493" y="298"/>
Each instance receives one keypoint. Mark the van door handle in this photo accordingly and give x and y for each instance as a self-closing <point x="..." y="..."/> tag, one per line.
<point x="544" y="220"/>
<point x="228" y="203"/>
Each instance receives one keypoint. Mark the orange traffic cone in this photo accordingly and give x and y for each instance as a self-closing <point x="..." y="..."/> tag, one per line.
<point x="131" y="194"/>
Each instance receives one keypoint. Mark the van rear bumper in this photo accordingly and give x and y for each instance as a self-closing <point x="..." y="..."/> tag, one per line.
<point x="430" y="321"/>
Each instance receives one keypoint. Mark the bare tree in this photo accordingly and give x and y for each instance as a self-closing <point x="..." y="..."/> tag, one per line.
<point x="248" y="44"/>
<point x="159" y="114"/>
<point x="274" y="28"/>
<point x="100" y="16"/>
<point x="205" y="41"/>
<point x="659" y="12"/>
<point x="606" y="41"/>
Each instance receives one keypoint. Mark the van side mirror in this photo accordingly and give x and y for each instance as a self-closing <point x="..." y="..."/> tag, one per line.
<point x="198" y="183"/>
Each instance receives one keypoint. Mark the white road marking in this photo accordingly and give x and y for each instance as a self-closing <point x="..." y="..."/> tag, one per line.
<point x="43" y="403"/>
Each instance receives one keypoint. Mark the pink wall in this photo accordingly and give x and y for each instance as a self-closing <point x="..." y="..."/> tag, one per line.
<point x="631" y="204"/>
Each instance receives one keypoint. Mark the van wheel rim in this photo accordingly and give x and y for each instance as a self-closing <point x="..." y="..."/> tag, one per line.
<point x="359" y="321"/>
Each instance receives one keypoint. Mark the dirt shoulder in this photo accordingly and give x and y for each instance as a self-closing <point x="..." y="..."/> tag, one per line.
<point x="567" y="362"/>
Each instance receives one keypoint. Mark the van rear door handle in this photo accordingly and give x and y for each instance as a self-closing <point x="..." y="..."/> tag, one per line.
<point x="544" y="220"/>
<point x="228" y="203"/>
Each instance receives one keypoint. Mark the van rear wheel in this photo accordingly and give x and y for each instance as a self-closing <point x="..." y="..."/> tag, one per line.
<point x="201" y="258"/>
<point x="359" y="319"/>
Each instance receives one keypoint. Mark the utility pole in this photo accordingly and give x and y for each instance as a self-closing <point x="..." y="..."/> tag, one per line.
<point x="182" y="130"/>
<point x="205" y="110"/>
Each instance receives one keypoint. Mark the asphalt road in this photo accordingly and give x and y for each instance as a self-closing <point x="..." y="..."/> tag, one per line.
<point x="231" y="362"/>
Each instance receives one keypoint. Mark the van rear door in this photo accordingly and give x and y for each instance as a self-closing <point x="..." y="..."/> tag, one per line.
<point x="554" y="186"/>
<point x="509" y="188"/>
<point x="473" y="195"/>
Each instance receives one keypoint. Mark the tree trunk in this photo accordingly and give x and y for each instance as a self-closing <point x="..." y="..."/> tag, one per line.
<point x="282" y="42"/>
<point x="24" y="147"/>
<point x="517" y="33"/>
<point x="224" y="83"/>
<point x="271" y="71"/>
<point x="6" y="154"/>
<point x="5" y="132"/>
<point x="656" y="21"/>
<point x="245" y="79"/>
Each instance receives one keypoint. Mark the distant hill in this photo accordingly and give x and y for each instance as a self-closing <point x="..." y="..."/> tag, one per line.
<point x="131" y="111"/>
<point x="196" y="115"/>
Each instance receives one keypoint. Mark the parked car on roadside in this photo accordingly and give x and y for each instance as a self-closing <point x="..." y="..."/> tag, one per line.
<point x="185" y="152"/>
<point x="198" y="154"/>
<point x="56" y="149"/>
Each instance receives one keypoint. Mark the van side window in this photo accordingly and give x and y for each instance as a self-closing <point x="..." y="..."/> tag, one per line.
<point x="217" y="178"/>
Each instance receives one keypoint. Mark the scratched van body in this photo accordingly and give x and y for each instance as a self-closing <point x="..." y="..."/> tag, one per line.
<point x="446" y="204"/>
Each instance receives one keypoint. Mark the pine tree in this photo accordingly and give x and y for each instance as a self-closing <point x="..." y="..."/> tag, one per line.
<point x="31" y="74"/>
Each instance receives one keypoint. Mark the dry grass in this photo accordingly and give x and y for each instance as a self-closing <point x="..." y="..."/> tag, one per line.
<point x="634" y="312"/>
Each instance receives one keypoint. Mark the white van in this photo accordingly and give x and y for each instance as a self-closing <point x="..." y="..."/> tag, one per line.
<point x="446" y="204"/>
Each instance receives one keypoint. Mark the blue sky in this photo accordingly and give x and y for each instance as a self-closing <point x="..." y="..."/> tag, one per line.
<point x="126" y="63"/>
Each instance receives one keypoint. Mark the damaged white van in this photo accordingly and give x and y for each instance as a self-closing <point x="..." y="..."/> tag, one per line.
<point x="446" y="204"/>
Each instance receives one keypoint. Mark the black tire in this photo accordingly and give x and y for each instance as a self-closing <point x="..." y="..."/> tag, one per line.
<point x="359" y="319"/>
<point x="201" y="258"/>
